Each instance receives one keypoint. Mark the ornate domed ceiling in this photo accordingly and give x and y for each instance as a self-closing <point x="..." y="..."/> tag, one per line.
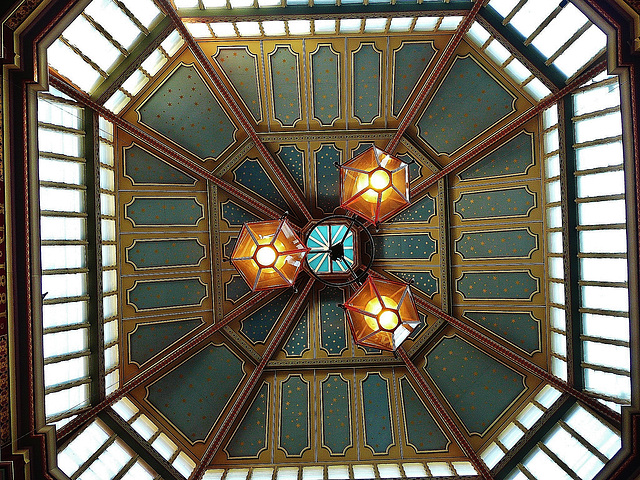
<point x="249" y="127"/>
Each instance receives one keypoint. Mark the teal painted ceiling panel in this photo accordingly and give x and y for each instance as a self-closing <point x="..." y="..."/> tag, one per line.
<point x="325" y="67"/>
<point x="513" y="158"/>
<point x="424" y="281"/>
<point x="155" y="294"/>
<point x="409" y="63"/>
<point x="148" y="339"/>
<point x="467" y="102"/>
<point x="328" y="177"/>
<point x="257" y="326"/>
<point x="184" y="110"/>
<point x="294" y="159"/>
<point x="164" y="211"/>
<point x="478" y="387"/>
<point x="417" y="246"/>
<point x="241" y="68"/>
<point x="519" y="328"/>
<point x="165" y="253"/>
<point x="367" y="68"/>
<point x="378" y="429"/>
<point x="333" y="333"/>
<point x="336" y="414"/>
<point x="294" y="437"/>
<point x="250" y="438"/>
<point x="423" y="433"/>
<point x="298" y="342"/>
<point x="285" y="85"/>
<point x="251" y="174"/>
<point x="143" y="168"/>
<point x="512" y="285"/>
<point x="235" y="215"/>
<point x="193" y="395"/>
<point x="517" y="243"/>
<point x="510" y="202"/>
<point x="420" y="211"/>
<point x="236" y="288"/>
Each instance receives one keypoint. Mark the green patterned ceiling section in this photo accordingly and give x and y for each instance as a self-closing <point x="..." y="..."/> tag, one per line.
<point x="336" y="414"/>
<point x="257" y="326"/>
<point x="250" y="438"/>
<point x="283" y="63"/>
<point x="241" y="68"/>
<point x="294" y="437"/>
<point x="144" y="168"/>
<point x="367" y="78"/>
<point x="159" y="294"/>
<point x="234" y="215"/>
<point x="294" y="160"/>
<point x="164" y="211"/>
<point x="517" y="243"/>
<point x="298" y="342"/>
<point x="325" y="71"/>
<point x="252" y="175"/>
<point x="410" y="61"/>
<point x="165" y="253"/>
<point x="376" y="407"/>
<point x="149" y="339"/>
<point x="498" y="285"/>
<point x="511" y="202"/>
<point x="520" y="328"/>
<point x="185" y="110"/>
<point x="327" y="177"/>
<point x="513" y="158"/>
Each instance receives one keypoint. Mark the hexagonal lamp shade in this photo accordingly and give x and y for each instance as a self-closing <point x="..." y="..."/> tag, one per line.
<point x="382" y="314"/>
<point x="374" y="185"/>
<point x="268" y="254"/>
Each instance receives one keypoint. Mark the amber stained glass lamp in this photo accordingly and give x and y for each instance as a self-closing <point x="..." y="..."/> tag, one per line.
<point x="374" y="185"/>
<point x="381" y="313"/>
<point x="268" y="254"/>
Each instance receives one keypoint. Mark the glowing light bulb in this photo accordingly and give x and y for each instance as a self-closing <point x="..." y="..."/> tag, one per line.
<point x="379" y="180"/>
<point x="266" y="256"/>
<point x="388" y="319"/>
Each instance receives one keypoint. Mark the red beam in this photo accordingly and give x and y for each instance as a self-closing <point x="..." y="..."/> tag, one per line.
<point x="128" y="127"/>
<point x="522" y="362"/>
<point x="429" y="84"/>
<point x="145" y="373"/>
<point x="231" y="102"/>
<point x="464" y="444"/>
<point x="510" y="128"/>
<point x="248" y="387"/>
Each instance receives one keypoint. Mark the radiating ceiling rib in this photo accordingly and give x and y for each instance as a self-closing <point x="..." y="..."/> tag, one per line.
<point x="614" y="417"/>
<point x="504" y="132"/>
<point x="246" y="125"/>
<point x="61" y="85"/>
<point x="429" y="84"/>
<point x="144" y="373"/>
<point x="251" y="383"/>
<point x="462" y="441"/>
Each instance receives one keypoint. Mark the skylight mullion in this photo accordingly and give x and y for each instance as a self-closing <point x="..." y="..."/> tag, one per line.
<point x="66" y="356"/>
<point x="558" y="461"/>
<point x="514" y="11"/>
<point x="606" y="369"/>
<point x="607" y="341"/>
<point x="598" y="141"/>
<point x="60" y="128"/>
<point x="131" y="16"/>
<point x="105" y="34"/>
<point x="82" y="468"/>
<point x="126" y="467"/>
<point x="85" y="58"/>
<point x="568" y="43"/>
<point x="65" y="328"/>
<point x="543" y="25"/>
<point x="67" y="385"/>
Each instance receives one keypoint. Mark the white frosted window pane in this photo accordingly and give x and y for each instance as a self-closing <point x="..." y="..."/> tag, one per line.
<point x="541" y="466"/>
<point x="558" y="318"/>
<point x="599" y="156"/>
<point x="606" y="298"/>
<point x="516" y="474"/>
<point x="275" y="27"/>
<point x="440" y="469"/>
<point x="81" y="448"/>
<point x="62" y="199"/>
<point x="109" y="281"/>
<point x="107" y="205"/>
<point x="389" y="471"/>
<point x="573" y="453"/>
<point x="554" y="242"/>
<point x="145" y="427"/>
<point x="617" y="386"/>
<point x="602" y="213"/>
<point x="537" y="89"/>
<point x="559" y="30"/>
<point x="603" y="241"/>
<point x="173" y="42"/>
<point x="414" y="470"/>
<point x="164" y="446"/>
<point x="603" y="269"/>
<point x="60" y="171"/>
<point x="559" y="368"/>
<point x="106" y="153"/>
<point x="89" y="41"/>
<point x="64" y="285"/>
<point x="107" y="179"/>
<point x="61" y="314"/>
<point x="602" y="126"/>
<point x="66" y="371"/>
<point x="503" y="7"/>
<point x="449" y="23"/>
<point x="110" y="306"/>
<point x="596" y="99"/>
<point x="299" y="27"/>
<point x="50" y="111"/>
<point x="497" y="52"/>
<point x="218" y="473"/>
<point x="105" y="128"/>
<point x="154" y="62"/>
<point x="492" y="455"/>
<point x="60" y="343"/>
<point x="552" y="166"/>
<point x="223" y="29"/>
<point x="64" y="143"/>
<point x="581" y="51"/>
<point x="111" y="357"/>
<point x="144" y="10"/>
<point x="110" y="331"/>
<point x="117" y="102"/>
<point x="184" y="464"/>
<point x="237" y="474"/>
<point x="425" y="24"/>
<point x="186" y="3"/>
<point x="464" y="468"/>
<point x="135" y="82"/>
<point x="248" y="29"/>
<point x="605" y="326"/>
<point x="532" y="14"/>
<point x="556" y="293"/>
<point x="614" y="356"/>
<point x="108" y="228"/>
<point x="69" y="64"/>
<point x="125" y="408"/>
<point x="198" y="30"/>
<point x="112" y="382"/>
<point x="64" y="400"/>
<point x="551" y="141"/>
<point x="509" y="436"/>
<point x="608" y="183"/>
<point x="517" y="70"/>
<point x="350" y="25"/>
<point x="554" y="217"/>
<point x="363" y="472"/>
<point x="325" y="26"/>
<point x="548" y="396"/>
<point x="138" y="472"/>
<point x="334" y="472"/>
<point x="262" y="474"/>
<point x="478" y="34"/>
<point x="241" y="3"/>
<point x="558" y="343"/>
<point x="400" y="24"/>
<point x="550" y="116"/>
<point x="63" y="256"/>
<point x="556" y="267"/>
<point x="529" y="416"/>
<point x="267" y="3"/>
<point x="111" y="461"/>
<point x="375" y="25"/>
<point x="553" y="191"/>
<point x="108" y="255"/>
<point x="114" y="21"/>
<point x="61" y="228"/>
<point x="594" y="431"/>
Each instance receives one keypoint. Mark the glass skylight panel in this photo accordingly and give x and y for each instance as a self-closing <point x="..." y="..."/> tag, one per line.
<point x="590" y="43"/>
<point x="138" y="472"/>
<point x="214" y="3"/>
<point x="478" y="34"/>
<point x="82" y="447"/>
<point x="198" y="30"/>
<point x="559" y="30"/>
<point x="615" y="299"/>
<point x="237" y="474"/>
<point x="117" y="102"/>
<point x="269" y="3"/>
<point x="464" y="468"/>
<point x="542" y="466"/>
<point x="111" y="461"/>
<point x="450" y="23"/>
<point x="492" y="455"/>
<point x="63" y="402"/>
<point x="440" y="469"/>
<point x="601" y="126"/>
<point x="63" y="256"/>
<point x="573" y="453"/>
<point x="297" y="2"/>
<point x="172" y="43"/>
<point x="595" y="99"/>
<point x="59" y="113"/>
<point x="389" y="470"/>
<point x="375" y="25"/>
<point x="400" y="24"/>
<point x="262" y="474"/>
<point x="145" y="11"/>
<point x="69" y="341"/>
<point x="503" y="7"/>
<point x="274" y="28"/>
<point x="299" y="27"/>
<point x="218" y="473"/>
<point x="324" y="26"/>
<point x="60" y="171"/>
<point x="606" y="183"/>
<point x="414" y="470"/>
<point x="248" y="29"/>
<point x="614" y="356"/>
<point x="362" y="472"/>
<point x="184" y="464"/>
<point x="223" y="29"/>
<point x="509" y="436"/>
<point x="164" y="446"/>
<point x="537" y="89"/>
<point x="65" y="371"/>
<point x="350" y="25"/>
<point x="610" y="384"/>
<point x="532" y="14"/>
<point x="605" y="326"/>
<point x="114" y="21"/>
<point x="516" y="70"/>
<point x="603" y="438"/>
<point x="186" y="3"/>
<point x="497" y="52"/>
<point x="334" y="472"/>
<point x="425" y="24"/>
<point x="145" y="427"/>
<point x="241" y="3"/>
<point x="72" y="66"/>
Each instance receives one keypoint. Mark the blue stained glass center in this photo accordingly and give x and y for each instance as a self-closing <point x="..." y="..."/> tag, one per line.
<point x="324" y="239"/>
